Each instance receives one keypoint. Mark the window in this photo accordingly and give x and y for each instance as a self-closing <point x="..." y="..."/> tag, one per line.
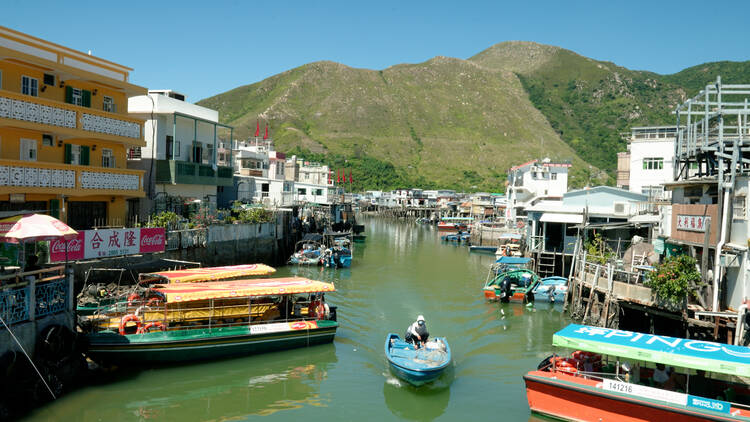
<point x="287" y="186"/>
<point x="76" y="154"/>
<point x="29" y="86"/>
<point x="49" y="79"/>
<point x="318" y="192"/>
<point x="170" y="147"/>
<point x="76" y="96"/>
<point x="553" y="176"/>
<point x="48" y="140"/>
<point x="108" y="160"/>
<point x="653" y="163"/>
<point x="301" y="191"/>
<point x="738" y="208"/>
<point x="108" y="104"/>
<point x="28" y="149"/>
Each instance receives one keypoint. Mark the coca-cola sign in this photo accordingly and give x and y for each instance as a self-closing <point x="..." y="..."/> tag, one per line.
<point x="153" y="240"/>
<point x="90" y="244"/>
<point x="74" y="248"/>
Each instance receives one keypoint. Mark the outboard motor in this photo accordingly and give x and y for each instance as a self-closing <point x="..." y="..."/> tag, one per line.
<point x="505" y="288"/>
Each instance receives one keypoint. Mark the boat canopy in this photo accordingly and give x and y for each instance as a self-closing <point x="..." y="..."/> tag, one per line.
<point x="195" y="275"/>
<point x="457" y="218"/>
<point x="515" y="236"/>
<point x="513" y="260"/>
<point x="686" y="353"/>
<point x="241" y="288"/>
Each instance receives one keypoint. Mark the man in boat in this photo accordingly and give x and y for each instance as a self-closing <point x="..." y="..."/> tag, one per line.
<point x="417" y="333"/>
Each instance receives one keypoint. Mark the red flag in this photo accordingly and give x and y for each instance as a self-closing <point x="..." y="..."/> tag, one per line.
<point x="338" y="176"/>
<point x="257" y="128"/>
<point x="350" y="176"/>
<point x="265" y="136"/>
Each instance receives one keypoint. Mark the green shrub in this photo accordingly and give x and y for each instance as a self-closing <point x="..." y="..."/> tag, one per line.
<point x="166" y="219"/>
<point x="671" y="281"/>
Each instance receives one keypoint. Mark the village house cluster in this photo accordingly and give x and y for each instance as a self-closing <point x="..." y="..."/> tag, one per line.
<point x="83" y="144"/>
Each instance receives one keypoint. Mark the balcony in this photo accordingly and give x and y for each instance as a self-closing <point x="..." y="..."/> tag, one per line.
<point x="31" y="112"/>
<point x="185" y="172"/>
<point x="66" y="179"/>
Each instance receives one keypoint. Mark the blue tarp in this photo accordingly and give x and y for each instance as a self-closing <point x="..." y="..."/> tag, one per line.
<point x="686" y="353"/>
<point x="512" y="260"/>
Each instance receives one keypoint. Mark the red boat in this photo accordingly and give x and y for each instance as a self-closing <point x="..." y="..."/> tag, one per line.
<point x="611" y="378"/>
<point x="454" y="224"/>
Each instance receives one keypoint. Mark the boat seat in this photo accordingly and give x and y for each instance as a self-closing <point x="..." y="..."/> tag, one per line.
<point x="401" y="344"/>
<point x="402" y="353"/>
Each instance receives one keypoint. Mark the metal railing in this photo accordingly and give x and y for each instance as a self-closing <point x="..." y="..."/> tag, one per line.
<point x="50" y="288"/>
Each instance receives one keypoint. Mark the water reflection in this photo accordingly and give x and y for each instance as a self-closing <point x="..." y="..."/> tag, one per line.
<point x="216" y="390"/>
<point x="425" y="403"/>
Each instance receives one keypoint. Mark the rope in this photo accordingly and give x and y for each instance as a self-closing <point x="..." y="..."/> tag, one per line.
<point x="29" y="358"/>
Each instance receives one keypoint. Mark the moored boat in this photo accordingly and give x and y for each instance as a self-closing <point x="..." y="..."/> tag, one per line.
<point x="94" y="297"/>
<point x="417" y="366"/>
<point x="449" y="224"/>
<point x="188" y="322"/>
<point x="510" y="279"/>
<point x="482" y="249"/>
<point x="612" y="376"/>
<point x="551" y="289"/>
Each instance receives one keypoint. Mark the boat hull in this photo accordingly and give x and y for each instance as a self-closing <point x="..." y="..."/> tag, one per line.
<point x="205" y="344"/>
<point x="414" y="375"/>
<point x="572" y="398"/>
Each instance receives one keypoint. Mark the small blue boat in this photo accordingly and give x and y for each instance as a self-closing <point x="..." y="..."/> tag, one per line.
<point x="417" y="366"/>
<point x="551" y="289"/>
<point x="456" y="237"/>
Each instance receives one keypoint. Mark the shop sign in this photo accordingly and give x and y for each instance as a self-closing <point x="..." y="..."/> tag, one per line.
<point x="692" y="223"/>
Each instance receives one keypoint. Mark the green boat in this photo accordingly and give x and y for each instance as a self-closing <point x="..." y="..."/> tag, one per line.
<point x="514" y="285"/>
<point x="211" y="320"/>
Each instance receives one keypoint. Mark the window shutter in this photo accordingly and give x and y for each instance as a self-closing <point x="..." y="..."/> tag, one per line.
<point x="68" y="154"/>
<point x="69" y="94"/>
<point x="54" y="208"/>
<point x="84" y="155"/>
<point x="86" y="98"/>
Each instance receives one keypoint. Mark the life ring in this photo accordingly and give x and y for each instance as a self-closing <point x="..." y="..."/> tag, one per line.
<point x="568" y="365"/>
<point x="132" y="298"/>
<point x="129" y="318"/>
<point x="519" y="224"/>
<point x="146" y="328"/>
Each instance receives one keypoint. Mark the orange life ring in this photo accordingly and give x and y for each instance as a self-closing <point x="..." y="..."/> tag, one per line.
<point x="519" y="224"/>
<point x="146" y="328"/>
<point x="132" y="298"/>
<point x="568" y="365"/>
<point x="129" y="318"/>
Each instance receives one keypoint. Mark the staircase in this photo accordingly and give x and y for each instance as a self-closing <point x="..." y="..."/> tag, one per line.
<point x="546" y="265"/>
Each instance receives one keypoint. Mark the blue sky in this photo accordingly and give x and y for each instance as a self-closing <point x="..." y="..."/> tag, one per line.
<point x="207" y="47"/>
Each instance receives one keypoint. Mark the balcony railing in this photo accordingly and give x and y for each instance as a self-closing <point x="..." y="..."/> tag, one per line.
<point x="26" y="108"/>
<point x="59" y="177"/>
<point x="185" y="172"/>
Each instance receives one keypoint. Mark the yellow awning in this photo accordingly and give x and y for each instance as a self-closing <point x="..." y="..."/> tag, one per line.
<point x="195" y="275"/>
<point x="241" y="288"/>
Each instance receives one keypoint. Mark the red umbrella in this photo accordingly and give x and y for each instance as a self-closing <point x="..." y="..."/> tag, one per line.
<point x="34" y="227"/>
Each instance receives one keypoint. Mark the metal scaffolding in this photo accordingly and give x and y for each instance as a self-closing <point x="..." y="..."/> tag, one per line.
<point x="714" y="138"/>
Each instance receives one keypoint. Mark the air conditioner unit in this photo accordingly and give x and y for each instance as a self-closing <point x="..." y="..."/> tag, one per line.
<point x="621" y="208"/>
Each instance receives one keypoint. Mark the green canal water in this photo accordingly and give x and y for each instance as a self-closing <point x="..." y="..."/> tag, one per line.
<point x="403" y="270"/>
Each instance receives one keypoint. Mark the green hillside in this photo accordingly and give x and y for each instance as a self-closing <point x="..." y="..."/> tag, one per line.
<point x="462" y="123"/>
<point x="443" y="123"/>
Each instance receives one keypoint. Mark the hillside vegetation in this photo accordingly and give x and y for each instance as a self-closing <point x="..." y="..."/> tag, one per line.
<point x="462" y="123"/>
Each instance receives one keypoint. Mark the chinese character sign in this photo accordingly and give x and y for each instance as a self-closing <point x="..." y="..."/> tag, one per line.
<point x="91" y="244"/>
<point x="693" y="223"/>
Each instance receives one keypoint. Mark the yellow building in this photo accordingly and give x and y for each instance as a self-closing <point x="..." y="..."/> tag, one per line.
<point x="65" y="133"/>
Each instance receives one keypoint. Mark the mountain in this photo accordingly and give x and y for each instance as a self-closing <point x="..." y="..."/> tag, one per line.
<point x="462" y="123"/>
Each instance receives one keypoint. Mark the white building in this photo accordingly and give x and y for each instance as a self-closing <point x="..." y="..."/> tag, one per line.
<point x="651" y="160"/>
<point x="534" y="181"/>
<point x="181" y="156"/>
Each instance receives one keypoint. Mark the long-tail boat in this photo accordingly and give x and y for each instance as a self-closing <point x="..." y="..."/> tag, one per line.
<point x="611" y="376"/>
<point x="194" y="321"/>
